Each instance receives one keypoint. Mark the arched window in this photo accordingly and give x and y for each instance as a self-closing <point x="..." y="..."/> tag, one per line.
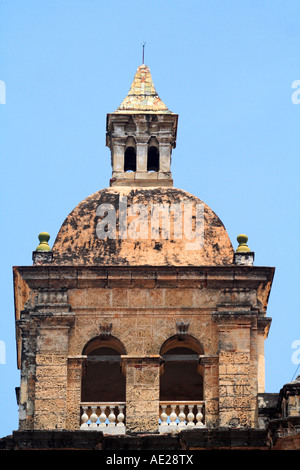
<point x="181" y="379"/>
<point x="153" y="155"/>
<point x="130" y="155"/>
<point x="102" y="379"/>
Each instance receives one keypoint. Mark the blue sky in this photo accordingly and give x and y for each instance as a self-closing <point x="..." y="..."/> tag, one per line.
<point x="226" y="67"/>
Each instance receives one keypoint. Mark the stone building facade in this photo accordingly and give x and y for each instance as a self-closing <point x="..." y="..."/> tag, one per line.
<point x="142" y="319"/>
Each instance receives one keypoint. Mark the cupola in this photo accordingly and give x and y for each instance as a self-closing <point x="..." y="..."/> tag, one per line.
<point x="141" y="135"/>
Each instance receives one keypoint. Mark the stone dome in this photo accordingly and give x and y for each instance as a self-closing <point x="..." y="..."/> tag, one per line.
<point x="127" y="226"/>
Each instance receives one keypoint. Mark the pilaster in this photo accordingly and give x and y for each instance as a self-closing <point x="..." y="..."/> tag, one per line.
<point x="50" y="410"/>
<point x="237" y="380"/>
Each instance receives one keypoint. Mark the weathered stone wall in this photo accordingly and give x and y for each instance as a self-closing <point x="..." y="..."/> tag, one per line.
<point x="143" y="319"/>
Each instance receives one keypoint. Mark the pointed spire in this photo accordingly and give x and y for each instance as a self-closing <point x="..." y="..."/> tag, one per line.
<point x="142" y="96"/>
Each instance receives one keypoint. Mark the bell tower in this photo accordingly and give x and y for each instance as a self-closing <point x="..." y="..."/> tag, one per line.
<point x="148" y="333"/>
<point x="141" y="135"/>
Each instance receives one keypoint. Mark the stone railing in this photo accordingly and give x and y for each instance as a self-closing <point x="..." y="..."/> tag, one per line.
<point x="106" y="417"/>
<point x="176" y="416"/>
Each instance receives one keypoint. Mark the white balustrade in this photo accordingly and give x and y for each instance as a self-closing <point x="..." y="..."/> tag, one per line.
<point x="103" y="417"/>
<point x="178" y="416"/>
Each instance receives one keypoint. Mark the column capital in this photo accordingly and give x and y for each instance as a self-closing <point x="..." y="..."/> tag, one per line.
<point x="263" y="325"/>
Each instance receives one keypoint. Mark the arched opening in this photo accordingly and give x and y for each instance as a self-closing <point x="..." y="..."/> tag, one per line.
<point x="153" y="155"/>
<point x="130" y="159"/>
<point x="182" y="378"/>
<point x="130" y="155"/>
<point x="102" y="380"/>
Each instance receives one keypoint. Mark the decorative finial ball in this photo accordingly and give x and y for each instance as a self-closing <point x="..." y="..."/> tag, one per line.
<point x="242" y="239"/>
<point x="43" y="238"/>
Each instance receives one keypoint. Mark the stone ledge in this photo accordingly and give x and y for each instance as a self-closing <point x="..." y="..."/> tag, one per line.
<point x="58" y="440"/>
<point x="204" y="439"/>
<point x="74" y="277"/>
<point x="225" y="438"/>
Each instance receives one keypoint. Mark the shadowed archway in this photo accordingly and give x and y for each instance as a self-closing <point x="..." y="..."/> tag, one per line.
<point x="182" y="378"/>
<point x="102" y="379"/>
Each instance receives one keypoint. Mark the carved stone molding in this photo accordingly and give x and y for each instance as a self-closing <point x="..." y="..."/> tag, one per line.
<point x="51" y="297"/>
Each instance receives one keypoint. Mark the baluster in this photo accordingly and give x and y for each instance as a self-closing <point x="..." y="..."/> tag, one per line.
<point x="163" y="416"/>
<point x="102" y="418"/>
<point x="190" y="417"/>
<point x="84" y="418"/>
<point x="111" y="418"/>
<point x="120" y="417"/>
<point x="93" y="418"/>
<point x="173" y="417"/>
<point x="181" y="417"/>
<point x="199" y="416"/>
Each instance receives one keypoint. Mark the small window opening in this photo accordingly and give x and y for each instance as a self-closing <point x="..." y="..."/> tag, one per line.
<point x="130" y="159"/>
<point x="153" y="159"/>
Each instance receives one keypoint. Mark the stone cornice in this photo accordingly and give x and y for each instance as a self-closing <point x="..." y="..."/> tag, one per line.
<point x="72" y="277"/>
<point x="59" y="320"/>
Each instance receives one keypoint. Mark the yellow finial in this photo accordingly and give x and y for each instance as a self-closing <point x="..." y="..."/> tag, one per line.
<point x="43" y="238"/>
<point x="243" y="247"/>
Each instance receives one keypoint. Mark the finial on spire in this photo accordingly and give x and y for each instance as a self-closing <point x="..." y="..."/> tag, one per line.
<point x="144" y="44"/>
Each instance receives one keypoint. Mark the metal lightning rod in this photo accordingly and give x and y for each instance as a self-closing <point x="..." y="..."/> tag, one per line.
<point x="144" y="43"/>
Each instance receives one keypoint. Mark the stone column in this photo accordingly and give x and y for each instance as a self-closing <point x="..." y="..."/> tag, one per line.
<point x="164" y="156"/>
<point x="141" y="156"/>
<point x="142" y="392"/>
<point x="118" y="156"/>
<point x="210" y="366"/>
<point x="75" y="366"/>
<point x="141" y="138"/>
